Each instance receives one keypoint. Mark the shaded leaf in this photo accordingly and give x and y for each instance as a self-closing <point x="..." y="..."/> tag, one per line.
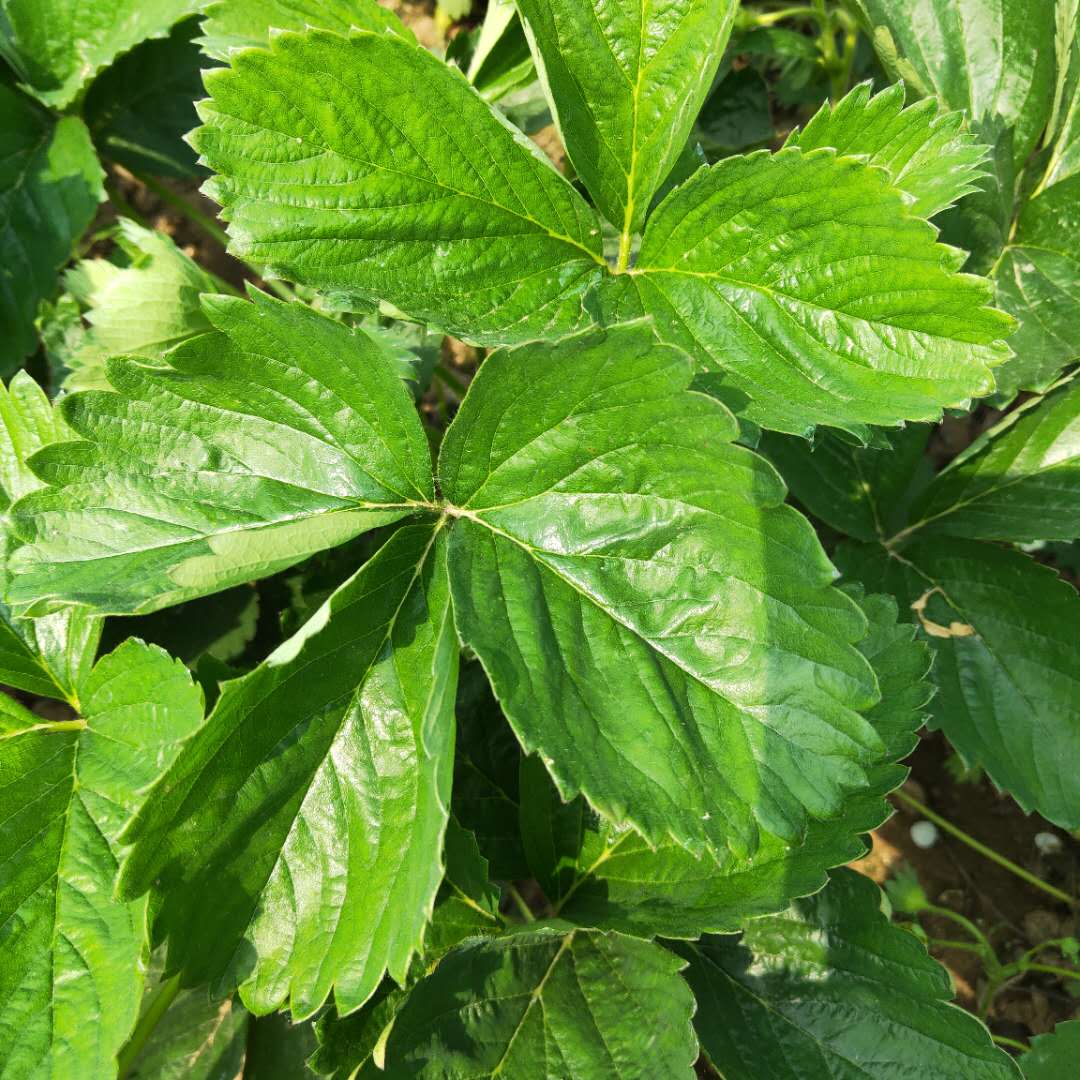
<point x="1052" y="1056"/>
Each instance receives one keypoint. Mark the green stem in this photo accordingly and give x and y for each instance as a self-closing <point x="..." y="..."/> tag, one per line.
<point x="520" y="902"/>
<point x="1053" y="943"/>
<point x="770" y="18"/>
<point x="192" y="213"/>
<point x="622" y="263"/>
<point x="1052" y="969"/>
<point x="121" y="205"/>
<point x="962" y="946"/>
<point x="982" y="849"/>
<point x="450" y="379"/>
<point x="163" y="997"/>
<point x="1013" y="1044"/>
<point x="984" y="948"/>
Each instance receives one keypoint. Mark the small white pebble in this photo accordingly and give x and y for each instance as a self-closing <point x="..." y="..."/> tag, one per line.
<point x="924" y="834"/>
<point x="1048" y="843"/>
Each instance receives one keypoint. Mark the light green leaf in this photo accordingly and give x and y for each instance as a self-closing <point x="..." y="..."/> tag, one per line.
<point x="830" y="988"/>
<point x="281" y="435"/>
<point x="142" y="307"/>
<point x="346" y="184"/>
<point x="863" y="492"/>
<point x="70" y="982"/>
<point x="50" y="186"/>
<point x="556" y="1005"/>
<point x="994" y="59"/>
<point x="1053" y="1056"/>
<point x="241" y="24"/>
<point x="1004" y="630"/>
<point x="806" y="282"/>
<point x="1020" y="481"/>
<point x="655" y="624"/>
<point x="924" y="149"/>
<point x="57" y="46"/>
<point x="1038" y="281"/>
<point x="1063" y="131"/>
<point x="27" y="423"/>
<point x="626" y="82"/>
<point x="296" y="841"/>
<point x="620" y="883"/>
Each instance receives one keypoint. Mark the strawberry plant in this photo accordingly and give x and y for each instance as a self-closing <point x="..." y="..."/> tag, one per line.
<point x="376" y="715"/>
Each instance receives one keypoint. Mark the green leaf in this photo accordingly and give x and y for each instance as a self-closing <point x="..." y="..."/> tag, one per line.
<point x="1064" y="126"/>
<point x="240" y="24"/>
<point x="347" y="1043"/>
<point x="50" y="186"/>
<point x="296" y="841"/>
<point x="1038" y="281"/>
<point x="548" y="1004"/>
<point x="621" y="883"/>
<point x="70" y="981"/>
<point x="1053" y="1056"/>
<point x="27" y="423"/>
<point x="461" y="223"/>
<point x="655" y="624"/>
<point x="861" y="491"/>
<point x="830" y="988"/>
<point x="993" y="59"/>
<point x="626" y="83"/>
<point x="804" y="279"/>
<point x="278" y="1049"/>
<point x="736" y="115"/>
<point x="281" y="435"/>
<point x="1019" y="481"/>
<point x="924" y="149"/>
<point x="57" y="46"/>
<point x="1003" y="629"/>
<point x="500" y="61"/>
<point x="139" y="110"/>
<point x="142" y="306"/>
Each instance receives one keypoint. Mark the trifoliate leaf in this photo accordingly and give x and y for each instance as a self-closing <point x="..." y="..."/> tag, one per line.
<point x="241" y="24"/>
<point x="459" y="222"/>
<point x="143" y="306"/>
<point x="830" y="988"/>
<point x="993" y="59"/>
<point x="1020" y="481"/>
<point x="626" y="82"/>
<point x="56" y="47"/>
<point x="50" y="186"/>
<point x="620" y="883"/>
<point x="925" y="150"/>
<point x="861" y="491"/>
<point x="1038" y="281"/>
<point x="70" y="983"/>
<point x="1053" y="1056"/>
<point x="805" y="281"/>
<point x="556" y="1005"/>
<point x="655" y="624"/>
<point x="140" y="109"/>
<point x="283" y="434"/>
<point x="296" y="840"/>
<point x="1003" y="629"/>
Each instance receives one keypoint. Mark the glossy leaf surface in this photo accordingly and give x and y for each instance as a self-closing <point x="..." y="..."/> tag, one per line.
<point x="50" y="186"/>
<point x="830" y="988"/>
<point x="558" y="1006"/>
<point x="280" y="435"/>
<point x="70" y="983"/>
<point x="627" y="81"/>
<point x="345" y="183"/>
<point x="318" y="790"/>
<point x="654" y="622"/>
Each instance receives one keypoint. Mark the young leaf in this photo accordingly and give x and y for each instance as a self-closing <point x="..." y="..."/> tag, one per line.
<point x="296" y="841"/>
<point x="655" y="624"/>
<point x="562" y="1005"/>
<point x="993" y="59"/>
<point x="240" y="24"/>
<point x="50" y="186"/>
<point x="924" y="149"/>
<point x="1020" y="481"/>
<point x="627" y="81"/>
<point x="1038" y="281"/>
<point x="1003" y="629"/>
<point x="281" y="435"/>
<point x="57" y="46"/>
<point x="352" y="183"/>
<point x="622" y="884"/>
<point x="69" y="952"/>
<point x="142" y="308"/>
<point x="805" y="280"/>
<point x="830" y="988"/>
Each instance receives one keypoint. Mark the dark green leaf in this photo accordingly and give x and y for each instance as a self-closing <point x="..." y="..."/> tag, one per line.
<point x="1053" y="1056"/>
